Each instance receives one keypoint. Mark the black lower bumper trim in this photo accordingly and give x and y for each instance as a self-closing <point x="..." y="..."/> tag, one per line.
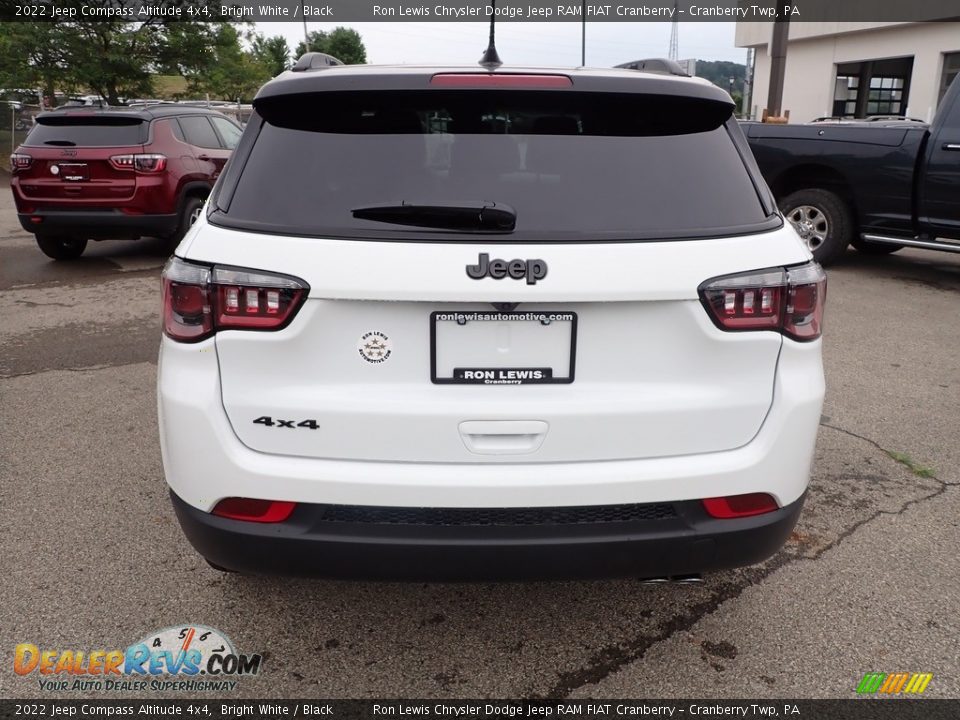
<point x="686" y="542"/>
<point x="98" y="224"/>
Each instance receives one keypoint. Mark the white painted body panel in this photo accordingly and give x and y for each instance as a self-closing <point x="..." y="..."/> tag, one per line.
<point x="664" y="405"/>
<point x="204" y="460"/>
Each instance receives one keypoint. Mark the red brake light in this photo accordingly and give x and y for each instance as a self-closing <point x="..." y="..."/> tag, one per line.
<point x="198" y="301"/>
<point x="20" y="161"/>
<point x="787" y="300"/>
<point x="144" y="162"/>
<point x="262" y="511"/>
<point x="738" y="506"/>
<point x="500" y="80"/>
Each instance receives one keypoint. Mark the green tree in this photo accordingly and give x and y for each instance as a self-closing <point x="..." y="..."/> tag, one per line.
<point x="719" y="73"/>
<point x="233" y="73"/>
<point x="345" y="44"/>
<point x="32" y="56"/>
<point x="273" y="53"/>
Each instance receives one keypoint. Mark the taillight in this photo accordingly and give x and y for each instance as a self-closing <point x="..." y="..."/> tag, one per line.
<point x="199" y="300"/>
<point x="19" y="161"/>
<point x="263" y="511"/>
<point x="737" y="506"/>
<point x="145" y="163"/>
<point x="788" y="300"/>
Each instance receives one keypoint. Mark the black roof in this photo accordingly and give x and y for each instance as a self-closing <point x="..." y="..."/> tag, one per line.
<point x="413" y="77"/>
<point x="146" y="113"/>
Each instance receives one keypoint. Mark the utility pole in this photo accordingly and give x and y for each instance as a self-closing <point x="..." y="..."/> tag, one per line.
<point x="778" y="65"/>
<point x="674" y="51"/>
<point x="306" y="36"/>
<point x="583" y="33"/>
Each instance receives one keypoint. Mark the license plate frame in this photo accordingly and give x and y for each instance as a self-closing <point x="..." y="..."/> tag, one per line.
<point x="501" y="316"/>
<point x="74" y="172"/>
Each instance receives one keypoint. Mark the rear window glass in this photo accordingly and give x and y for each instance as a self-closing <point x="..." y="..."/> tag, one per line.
<point x="570" y="166"/>
<point x="87" y="131"/>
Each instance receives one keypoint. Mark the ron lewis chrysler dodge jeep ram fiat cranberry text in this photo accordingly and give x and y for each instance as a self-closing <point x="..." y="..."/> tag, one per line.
<point x="456" y="323"/>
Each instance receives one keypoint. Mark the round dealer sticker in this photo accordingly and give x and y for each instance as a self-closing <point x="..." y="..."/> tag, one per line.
<point x="374" y="347"/>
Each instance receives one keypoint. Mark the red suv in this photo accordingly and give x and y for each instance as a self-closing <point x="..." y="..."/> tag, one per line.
<point x="84" y="174"/>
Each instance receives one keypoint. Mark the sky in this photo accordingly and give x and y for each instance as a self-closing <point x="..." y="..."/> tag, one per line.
<point x="554" y="43"/>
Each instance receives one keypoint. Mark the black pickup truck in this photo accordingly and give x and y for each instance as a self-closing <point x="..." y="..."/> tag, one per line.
<point x="879" y="186"/>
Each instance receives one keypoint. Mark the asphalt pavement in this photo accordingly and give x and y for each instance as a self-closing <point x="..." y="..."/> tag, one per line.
<point x="91" y="555"/>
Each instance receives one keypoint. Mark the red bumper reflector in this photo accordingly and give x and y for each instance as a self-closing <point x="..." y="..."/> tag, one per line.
<point x="250" y="510"/>
<point x="738" y="506"/>
<point x="36" y="219"/>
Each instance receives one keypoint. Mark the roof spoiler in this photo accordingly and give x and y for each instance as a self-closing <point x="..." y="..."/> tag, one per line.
<point x="315" y="61"/>
<point x="660" y="65"/>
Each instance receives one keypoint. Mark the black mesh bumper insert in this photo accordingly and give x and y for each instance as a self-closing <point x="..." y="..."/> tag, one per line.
<point x="452" y="517"/>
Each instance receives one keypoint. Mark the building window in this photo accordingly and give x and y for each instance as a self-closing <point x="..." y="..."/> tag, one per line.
<point x="872" y="87"/>
<point x="886" y="96"/>
<point x="951" y="68"/>
<point x="845" y="95"/>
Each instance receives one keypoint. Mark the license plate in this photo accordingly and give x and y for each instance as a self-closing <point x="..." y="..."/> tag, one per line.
<point x="74" y="172"/>
<point x="477" y="347"/>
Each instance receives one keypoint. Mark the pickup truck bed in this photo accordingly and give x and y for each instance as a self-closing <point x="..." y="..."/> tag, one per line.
<point x="880" y="186"/>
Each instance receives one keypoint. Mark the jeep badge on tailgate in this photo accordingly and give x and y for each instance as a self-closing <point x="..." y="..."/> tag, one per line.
<point x="533" y="270"/>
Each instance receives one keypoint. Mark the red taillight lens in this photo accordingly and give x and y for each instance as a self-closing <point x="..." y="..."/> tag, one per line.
<point x="145" y="163"/>
<point x="262" y="511"/>
<point x="738" y="506"/>
<point x="198" y="301"/>
<point x="19" y="161"/>
<point x="500" y="80"/>
<point x="787" y="300"/>
<point x="187" y="310"/>
<point x="807" y="286"/>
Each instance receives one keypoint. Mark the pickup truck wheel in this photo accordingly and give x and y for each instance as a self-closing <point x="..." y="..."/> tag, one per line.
<point x="873" y="248"/>
<point x="823" y="221"/>
<point x="61" y="247"/>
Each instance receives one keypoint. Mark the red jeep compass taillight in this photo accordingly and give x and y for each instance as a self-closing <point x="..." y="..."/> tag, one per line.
<point x="19" y="161"/>
<point x="199" y="300"/>
<point x="787" y="300"/>
<point x="145" y="163"/>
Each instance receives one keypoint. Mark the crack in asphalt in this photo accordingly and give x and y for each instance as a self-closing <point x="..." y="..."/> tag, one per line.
<point x="612" y="658"/>
<point x="91" y="368"/>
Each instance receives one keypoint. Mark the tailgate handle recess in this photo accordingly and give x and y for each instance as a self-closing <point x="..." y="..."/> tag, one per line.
<point x="503" y="437"/>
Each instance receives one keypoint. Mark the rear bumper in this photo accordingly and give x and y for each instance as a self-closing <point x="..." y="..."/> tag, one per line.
<point x="98" y="224"/>
<point x="370" y="543"/>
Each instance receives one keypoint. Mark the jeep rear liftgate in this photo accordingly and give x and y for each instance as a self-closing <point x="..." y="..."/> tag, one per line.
<point x="363" y="372"/>
<point x="494" y="276"/>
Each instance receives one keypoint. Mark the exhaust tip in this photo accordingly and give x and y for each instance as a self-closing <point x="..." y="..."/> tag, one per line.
<point x="687" y="579"/>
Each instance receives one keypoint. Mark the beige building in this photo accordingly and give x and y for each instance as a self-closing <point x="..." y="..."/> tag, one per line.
<point x="856" y="69"/>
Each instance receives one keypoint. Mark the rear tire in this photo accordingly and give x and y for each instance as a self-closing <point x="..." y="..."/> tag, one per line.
<point x="874" y="248"/>
<point x="823" y="221"/>
<point x="61" y="247"/>
<point x="189" y="214"/>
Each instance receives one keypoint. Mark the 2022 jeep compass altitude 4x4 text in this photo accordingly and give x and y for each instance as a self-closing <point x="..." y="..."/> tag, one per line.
<point x="447" y="323"/>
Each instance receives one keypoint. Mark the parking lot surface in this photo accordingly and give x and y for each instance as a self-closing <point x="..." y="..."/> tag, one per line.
<point x="91" y="555"/>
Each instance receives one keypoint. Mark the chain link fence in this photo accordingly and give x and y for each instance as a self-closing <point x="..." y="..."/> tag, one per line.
<point x="16" y="119"/>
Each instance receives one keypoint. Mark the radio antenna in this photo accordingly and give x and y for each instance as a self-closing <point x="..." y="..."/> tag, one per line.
<point x="490" y="59"/>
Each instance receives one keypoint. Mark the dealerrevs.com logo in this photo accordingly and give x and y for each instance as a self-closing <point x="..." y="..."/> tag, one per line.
<point x="184" y="657"/>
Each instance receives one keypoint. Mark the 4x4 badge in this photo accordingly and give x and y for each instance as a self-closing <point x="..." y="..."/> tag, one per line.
<point x="531" y="269"/>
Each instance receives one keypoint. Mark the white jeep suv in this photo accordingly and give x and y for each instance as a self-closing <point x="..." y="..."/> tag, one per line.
<point x="452" y="323"/>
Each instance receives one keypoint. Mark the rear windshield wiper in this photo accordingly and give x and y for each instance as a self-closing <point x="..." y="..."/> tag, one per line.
<point x="483" y="216"/>
<point x="59" y="142"/>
